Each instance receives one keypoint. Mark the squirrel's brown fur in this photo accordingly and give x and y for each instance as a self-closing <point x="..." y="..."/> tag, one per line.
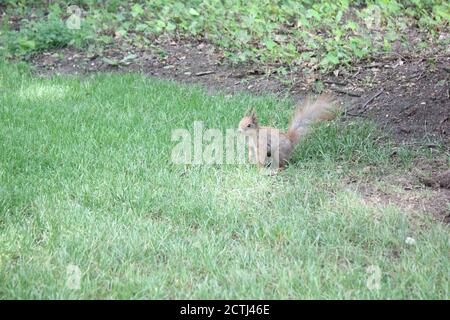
<point x="271" y="145"/>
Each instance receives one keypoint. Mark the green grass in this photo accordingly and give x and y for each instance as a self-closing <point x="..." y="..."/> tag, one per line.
<point x="86" y="180"/>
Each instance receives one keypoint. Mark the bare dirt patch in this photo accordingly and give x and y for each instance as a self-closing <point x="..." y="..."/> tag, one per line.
<point x="414" y="99"/>
<point x="408" y="190"/>
<point x="407" y="193"/>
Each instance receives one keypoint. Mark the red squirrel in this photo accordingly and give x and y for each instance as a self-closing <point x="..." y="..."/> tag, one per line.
<point x="268" y="145"/>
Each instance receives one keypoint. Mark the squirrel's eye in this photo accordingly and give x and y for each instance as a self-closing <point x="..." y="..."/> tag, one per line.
<point x="249" y="125"/>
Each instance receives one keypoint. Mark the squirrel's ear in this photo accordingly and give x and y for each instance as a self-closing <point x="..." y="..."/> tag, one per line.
<point x="251" y="112"/>
<point x="253" y="115"/>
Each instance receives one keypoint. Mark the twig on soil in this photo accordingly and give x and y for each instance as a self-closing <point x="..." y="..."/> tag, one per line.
<point x="374" y="65"/>
<point x="422" y="75"/>
<point x="338" y="83"/>
<point x="391" y="54"/>
<point x="371" y="98"/>
<point x="204" y="73"/>
<point x="357" y="72"/>
<point x="363" y="107"/>
<point x="416" y="75"/>
<point x="350" y="93"/>
<point x="355" y="114"/>
<point x="427" y="145"/>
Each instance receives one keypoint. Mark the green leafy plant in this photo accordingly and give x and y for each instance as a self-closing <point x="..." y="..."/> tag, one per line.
<point x="320" y="34"/>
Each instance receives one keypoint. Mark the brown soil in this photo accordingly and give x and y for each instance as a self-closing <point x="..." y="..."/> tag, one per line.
<point x="434" y="202"/>
<point x="441" y="180"/>
<point x="408" y="191"/>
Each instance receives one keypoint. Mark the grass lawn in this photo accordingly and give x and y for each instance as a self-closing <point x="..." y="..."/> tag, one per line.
<point x="86" y="180"/>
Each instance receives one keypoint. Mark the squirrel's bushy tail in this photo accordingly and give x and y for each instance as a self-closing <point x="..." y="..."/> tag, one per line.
<point x="313" y="111"/>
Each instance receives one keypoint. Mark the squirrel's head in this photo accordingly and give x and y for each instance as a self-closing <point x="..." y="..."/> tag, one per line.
<point x="249" y="123"/>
